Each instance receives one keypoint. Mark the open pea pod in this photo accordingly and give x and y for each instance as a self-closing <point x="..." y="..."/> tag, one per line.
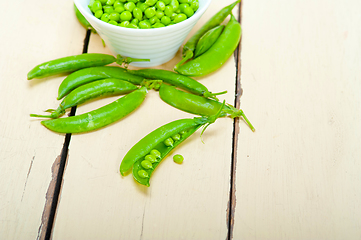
<point x="146" y="155"/>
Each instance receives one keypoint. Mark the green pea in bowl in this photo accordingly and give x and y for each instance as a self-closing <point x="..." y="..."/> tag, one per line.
<point x="159" y="44"/>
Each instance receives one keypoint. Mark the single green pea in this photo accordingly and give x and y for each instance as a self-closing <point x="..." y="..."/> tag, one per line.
<point x="160" y="5"/>
<point x="144" y="24"/>
<point x="173" y="16"/>
<point x="119" y="9"/>
<point x="143" y="6"/>
<point x="113" y="22"/>
<point x="158" y="25"/>
<point x="105" y="17"/>
<point x="176" y="137"/>
<point x="188" y="11"/>
<point x="138" y="14"/>
<point x="165" y="20"/>
<point x="166" y="2"/>
<point x="180" y="17"/>
<point x="183" y="6"/>
<point x="154" y="20"/>
<point x="195" y="5"/>
<point x="159" y="14"/>
<point x="129" y="6"/>
<point x="97" y="5"/>
<point x="98" y="13"/>
<point x="124" y="24"/>
<point x="149" y="12"/>
<point x="178" y="158"/>
<point x="132" y="25"/>
<point x="135" y="21"/>
<point x="126" y="16"/>
<point x="178" y="11"/>
<point x="169" y="142"/>
<point x="143" y="174"/>
<point x="108" y="9"/>
<point x="114" y="16"/>
<point x="155" y="153"/>
<point x="150" y="158"/>
<point x="118" y="4"/>
<point x="174" y="4"/>
<point x="110" y="2"/>
<point x="168" y="11"/>
<point x="146" y="164"/>
<point x="150" y="2"/>
<point x="182" y="132"/>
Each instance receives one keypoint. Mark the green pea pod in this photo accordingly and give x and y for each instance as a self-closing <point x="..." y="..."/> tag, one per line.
<point x="184" y="82"/>
<point x="198" y="105"/>
<point x="215" y="20"/>
<point x="73" y="63"/>
<point x="83" y="20"/>
<point x="91" y="74"/>
<point x="70" y="64"/>
<point x="89" y="91"/>
<point x="157" y="141"/>
<point x="217" y="55"/>
<point x="207" y="40"/>
<point x="100" y="117"/>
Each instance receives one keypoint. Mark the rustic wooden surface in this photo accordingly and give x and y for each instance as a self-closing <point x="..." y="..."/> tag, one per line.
<point x="297" y="177"/>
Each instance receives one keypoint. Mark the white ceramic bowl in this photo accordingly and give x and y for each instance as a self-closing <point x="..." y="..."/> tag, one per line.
<point x="159" y="44"/>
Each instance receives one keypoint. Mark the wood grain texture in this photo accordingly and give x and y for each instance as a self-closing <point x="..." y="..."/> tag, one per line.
<point x="187" y="201"/>
<point x="36" y="32"/>
<point x="298" y="176"/>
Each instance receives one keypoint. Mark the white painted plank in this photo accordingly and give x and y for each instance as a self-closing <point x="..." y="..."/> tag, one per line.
<point x="31" y="32"/>
<point x="298" y="176"/>
<point x="187" y="201"/>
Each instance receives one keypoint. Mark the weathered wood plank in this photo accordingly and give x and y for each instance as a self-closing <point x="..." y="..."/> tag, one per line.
<point x="31" y="33"/>
<point x="298" y="176"/>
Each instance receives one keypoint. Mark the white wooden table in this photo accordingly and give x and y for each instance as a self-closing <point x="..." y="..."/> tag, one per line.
<point x="297" y="76"/>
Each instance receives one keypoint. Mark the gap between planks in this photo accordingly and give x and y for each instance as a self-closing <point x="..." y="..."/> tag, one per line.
<point x="58" y="169"/>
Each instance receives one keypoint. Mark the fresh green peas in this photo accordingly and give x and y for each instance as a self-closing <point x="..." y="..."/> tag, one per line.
<point x="98" y="13"/>
<point x="129" y="6"/>
<point x="143" y="7"/>
<point x="174" y="4"/>
<point x="144" y="24"/>
<point x="135" y="21"/>
<point x="160" y="5"/>
<point x="119" y="9"/>
<point x="167" y="2"/>
<point x="188" y="11"/>
<point x="146" y="164"/>
<point x="143" y="174"/>
<point x="118" y="4"/>
<point x="149" y="12"/>
<point x="110" y="2"/>
<point x="105" y="17"/>
<point x="180" y="17"/>
<point x="168" y="11"/>
<point x="158" y="25"/>
<point x="113" y="22"/>
<point x="103" y="1"/>
<point x="178" y="158"/>
<point x="169" y="142"/>
<point x="150" y="2"/>
<point x="124" y="24"/>
<point x="184" y="1"/>
<point x="132" y="25"/>
<point x="151" y="158"/>
<point x="126" y="16"/>
<point x="155" y="153"/>
<point x="97" y="5"/>
<point x="114" y="16"/>
<point x="159" y="14"/>
<point x="108" y="9"/>
<point x="153" y="20"/>
<point x="138" y="14"/>
<point x="183" y="6"/>
<point x="165" y="20"/>
<point x="176" y="137"/>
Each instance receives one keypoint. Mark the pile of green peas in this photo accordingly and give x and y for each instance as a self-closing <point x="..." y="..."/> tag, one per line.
<point x="143" y="14"/>
<point x="155" y="156"/>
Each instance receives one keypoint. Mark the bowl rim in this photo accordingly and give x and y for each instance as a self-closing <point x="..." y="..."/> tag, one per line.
<point x="91" y="18"/>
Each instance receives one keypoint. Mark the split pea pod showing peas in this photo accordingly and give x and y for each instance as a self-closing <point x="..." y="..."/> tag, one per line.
<point x="90" y="74"/>
<point x="100" y="117"/>
<point x="198" y="105"/>
<point x="145" y="155"/>
<point x="175" y="79"/>
<point x="89" y="91"/>
<point x="217" y="55"/>
<point x="215" y="20"/>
